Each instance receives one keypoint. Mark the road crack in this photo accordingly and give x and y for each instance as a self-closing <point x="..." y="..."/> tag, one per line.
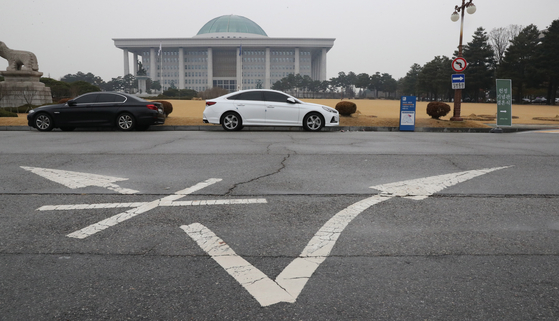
<point x="281" y="168"/>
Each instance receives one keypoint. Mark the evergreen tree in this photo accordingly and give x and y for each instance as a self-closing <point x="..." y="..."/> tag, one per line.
<point x="434" y="78"/>
<point x="519" y="63"/>
<point x="410" y="81"/>
<point x="480" y="57"/>
<point x="548" y="60"/>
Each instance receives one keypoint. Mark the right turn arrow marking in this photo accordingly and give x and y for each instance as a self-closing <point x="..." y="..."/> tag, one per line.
<point x="291" y="281"/>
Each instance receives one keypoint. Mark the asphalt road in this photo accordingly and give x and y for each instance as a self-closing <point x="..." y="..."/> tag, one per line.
<point x="279" y="226"/>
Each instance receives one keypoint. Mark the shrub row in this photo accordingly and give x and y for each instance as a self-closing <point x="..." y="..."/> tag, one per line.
<point x="5" y="113"/>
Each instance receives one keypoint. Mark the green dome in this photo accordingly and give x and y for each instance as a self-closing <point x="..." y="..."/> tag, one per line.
<point x="231" y="24"/>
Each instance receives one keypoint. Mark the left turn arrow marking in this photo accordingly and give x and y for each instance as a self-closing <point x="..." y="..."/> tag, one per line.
<point x="75" y="180"/>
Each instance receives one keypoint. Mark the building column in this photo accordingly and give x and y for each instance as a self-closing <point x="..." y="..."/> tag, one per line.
<point x="126" y="62"/>
<point x="152" y="67"/>
<point x="323" y="65"/>
<point x="297" y="60"/>
<point x="239" y="70"/>
<point x="210" y="69"/>
<point x="181" y="68"/>
<point x="267" y="80"/>
<point x="135" y="64"/>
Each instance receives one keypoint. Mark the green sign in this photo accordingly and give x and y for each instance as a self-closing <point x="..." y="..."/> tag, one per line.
<point x="504" y="102"/>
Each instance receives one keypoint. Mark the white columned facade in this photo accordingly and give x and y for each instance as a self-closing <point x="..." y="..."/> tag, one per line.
<point x="126" y="62"/>
<point x="266" y="60"/>
<point x="181" y="68"/>
<point x="210" y="69"/>
<point x="152" y="66"/>
<point x="267" y="84"/>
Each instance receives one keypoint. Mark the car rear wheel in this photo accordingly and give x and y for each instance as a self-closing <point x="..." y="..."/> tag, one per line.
<point x="125" y="122"/>
<point x="231" y="121"/>
<point x="44" y="122"/>
<point x="313" y="122"/>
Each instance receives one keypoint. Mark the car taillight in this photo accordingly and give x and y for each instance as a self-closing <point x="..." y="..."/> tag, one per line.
<point x="152" y="107"/>
<point x="210" y="103"/>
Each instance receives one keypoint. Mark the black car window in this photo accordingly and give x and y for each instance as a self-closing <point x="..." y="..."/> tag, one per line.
<point x="110" y="98"/>
<point x="85" y="99"/>
<point x="273" y="96"/>
<point x="251" y="95"/>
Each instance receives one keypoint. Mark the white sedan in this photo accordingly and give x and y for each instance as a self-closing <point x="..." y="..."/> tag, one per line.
<point x="261" y="107"/>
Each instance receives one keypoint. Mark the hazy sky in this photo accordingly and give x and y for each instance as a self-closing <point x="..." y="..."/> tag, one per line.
<point x="387" y="36"/>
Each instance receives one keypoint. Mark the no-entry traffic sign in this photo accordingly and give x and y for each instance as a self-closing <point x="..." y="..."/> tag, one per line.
<point x="459" y="64"/>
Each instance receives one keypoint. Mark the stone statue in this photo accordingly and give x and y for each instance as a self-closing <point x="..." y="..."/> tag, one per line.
<point x="22" y="85"/>
<point x="18" y="59"/>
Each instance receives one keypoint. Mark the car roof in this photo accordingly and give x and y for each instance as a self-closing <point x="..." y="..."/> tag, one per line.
<point x="252" y="90"/>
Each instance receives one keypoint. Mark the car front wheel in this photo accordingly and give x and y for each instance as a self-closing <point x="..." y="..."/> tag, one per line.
<point x="313" y="122"/>
<point x="44" y="122"/>
<point x="125" y="122"/>
<point x="232" y="121"/>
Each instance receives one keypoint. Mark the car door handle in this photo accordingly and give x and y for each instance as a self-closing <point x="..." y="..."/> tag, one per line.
<point x="270" y="106"/>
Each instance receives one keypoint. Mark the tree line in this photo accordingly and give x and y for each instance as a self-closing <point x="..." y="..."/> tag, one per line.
<point x="526" y="55"/>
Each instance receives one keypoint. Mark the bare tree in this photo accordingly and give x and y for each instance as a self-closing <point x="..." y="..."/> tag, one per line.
<point x="514" y="30"/>
<point x="499" y="39"/>
<point x="28" y="93"/>
<point x="2" y="94"/>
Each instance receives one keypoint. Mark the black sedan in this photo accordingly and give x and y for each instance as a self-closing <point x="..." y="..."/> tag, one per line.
<point x="98" y="109"/>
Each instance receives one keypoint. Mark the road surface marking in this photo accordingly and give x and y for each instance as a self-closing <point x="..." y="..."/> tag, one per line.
<point x="75" y="180"/>
<point x="67" y="207"/>
<point x="291" y="281"/>
<point x="121" y="217"/>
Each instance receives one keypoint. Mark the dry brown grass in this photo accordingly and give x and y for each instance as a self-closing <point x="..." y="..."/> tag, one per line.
<point x="375" y="113"/>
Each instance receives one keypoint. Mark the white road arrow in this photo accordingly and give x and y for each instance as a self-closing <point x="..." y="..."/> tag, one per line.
<point x="291" y="281"/>
<point x="78" y="180"/>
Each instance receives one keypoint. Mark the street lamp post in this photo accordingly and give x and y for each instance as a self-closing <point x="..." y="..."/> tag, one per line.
<point x="471" y="8"/>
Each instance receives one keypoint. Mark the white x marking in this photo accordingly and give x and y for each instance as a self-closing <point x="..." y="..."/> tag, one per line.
<point x="142" y="207"/>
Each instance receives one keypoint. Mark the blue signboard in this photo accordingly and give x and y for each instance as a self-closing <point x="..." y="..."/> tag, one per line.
<point x="458" y="81"/>
<point x="407" y="113"/>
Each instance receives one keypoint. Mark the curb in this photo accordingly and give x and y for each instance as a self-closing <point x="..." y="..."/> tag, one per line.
<point x="511" y="129"/>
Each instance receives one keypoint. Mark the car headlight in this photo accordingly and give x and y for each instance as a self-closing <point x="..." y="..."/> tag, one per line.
<point x="330" y="110"/>
<point x="31" y="111"/>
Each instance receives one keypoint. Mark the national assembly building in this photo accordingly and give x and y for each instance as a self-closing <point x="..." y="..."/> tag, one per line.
<point x="231" y="52"/>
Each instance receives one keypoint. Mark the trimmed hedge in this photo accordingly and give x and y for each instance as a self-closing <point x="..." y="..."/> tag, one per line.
<point x="346" y="108"/>
<point x="437" y="109"/>
<point x="5" y="113"/>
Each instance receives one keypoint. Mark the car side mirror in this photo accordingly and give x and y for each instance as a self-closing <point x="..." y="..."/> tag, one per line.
<point x="71" y="103"/>
<point x="291" y="100"/>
